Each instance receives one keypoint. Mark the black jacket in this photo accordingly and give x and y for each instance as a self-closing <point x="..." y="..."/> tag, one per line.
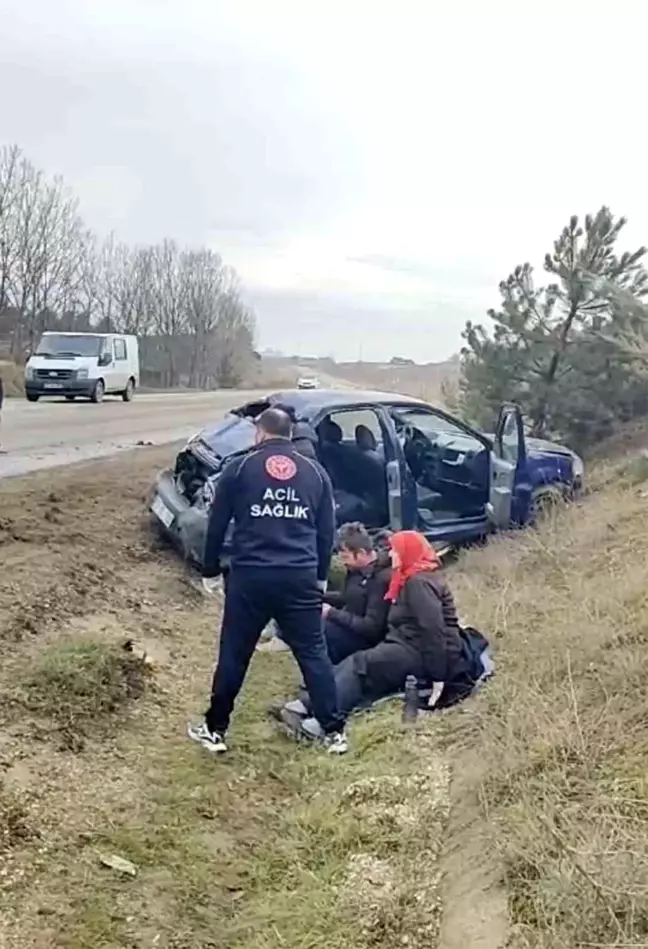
<point x="283" y="511"/>
<point x="424" y="618"/>
<point x="361" y="607"/>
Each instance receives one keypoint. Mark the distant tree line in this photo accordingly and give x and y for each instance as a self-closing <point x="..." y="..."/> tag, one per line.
<point x="183" y="303"/>
<point x="572" y="351"/>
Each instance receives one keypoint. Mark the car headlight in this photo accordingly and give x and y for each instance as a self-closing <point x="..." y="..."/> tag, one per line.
<point x="82" y="373"/>
<point x="578" y="466"/>
<point x="29" y="372"/>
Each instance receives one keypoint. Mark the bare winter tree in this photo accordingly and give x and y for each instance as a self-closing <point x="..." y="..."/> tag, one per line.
<point x="205" y="281"/>
<point x="10" y="158"/>
<point x="232" y="340"/>
<point x="54" y="273"/>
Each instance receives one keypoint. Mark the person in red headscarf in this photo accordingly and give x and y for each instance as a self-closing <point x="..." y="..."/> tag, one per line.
<point x="423" y="640"/>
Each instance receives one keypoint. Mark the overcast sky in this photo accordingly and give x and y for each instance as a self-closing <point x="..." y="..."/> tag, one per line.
<point x="372" y="169"/>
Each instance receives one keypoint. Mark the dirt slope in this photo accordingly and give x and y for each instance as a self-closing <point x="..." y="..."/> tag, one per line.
<point x="275" y="846"/>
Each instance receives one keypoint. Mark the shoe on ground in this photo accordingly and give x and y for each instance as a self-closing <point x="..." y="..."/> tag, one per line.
<point x="212" y="742"/>
<point x="298" y="707"/>
<point x="337" y="743"/>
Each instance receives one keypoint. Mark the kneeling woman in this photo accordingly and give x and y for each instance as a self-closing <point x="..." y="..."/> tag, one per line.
<point x="423" y="640"/>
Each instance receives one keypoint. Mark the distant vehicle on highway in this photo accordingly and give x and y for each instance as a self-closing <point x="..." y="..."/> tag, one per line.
<point x="394" y="462"/>
<point x="89" y="365"/>
<point x="308" y="382"/>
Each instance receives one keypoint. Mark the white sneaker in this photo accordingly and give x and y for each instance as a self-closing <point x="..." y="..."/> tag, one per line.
<point x="210" y="741"/>
<point x="337" y="743"/>
<point x="298" y="707"/>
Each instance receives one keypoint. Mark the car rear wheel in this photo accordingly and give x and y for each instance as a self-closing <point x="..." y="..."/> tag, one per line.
<point x="98" y="392"/>
<point x="129" y="391"/>
<point x="32" y="398"/>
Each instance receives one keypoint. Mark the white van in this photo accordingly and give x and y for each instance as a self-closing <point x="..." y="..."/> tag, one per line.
<point x="89" y="365"/>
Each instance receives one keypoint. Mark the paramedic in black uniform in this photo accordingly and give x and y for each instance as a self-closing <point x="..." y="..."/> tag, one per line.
<point x="284" y="529"/>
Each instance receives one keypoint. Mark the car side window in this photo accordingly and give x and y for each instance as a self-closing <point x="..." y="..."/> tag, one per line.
<point x="350" y="419"/>
<point x="120" y="349"/>
<point x="436" y="427"/>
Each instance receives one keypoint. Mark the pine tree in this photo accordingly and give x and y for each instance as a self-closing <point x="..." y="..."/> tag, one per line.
<point x="556" y="349"/>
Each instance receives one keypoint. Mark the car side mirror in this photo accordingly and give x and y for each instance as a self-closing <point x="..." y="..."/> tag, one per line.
<point x="105" y="359"/>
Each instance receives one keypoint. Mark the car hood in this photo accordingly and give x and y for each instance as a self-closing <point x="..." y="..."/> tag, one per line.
<point x="226" y="437"/>
<point x="540" y="445"/>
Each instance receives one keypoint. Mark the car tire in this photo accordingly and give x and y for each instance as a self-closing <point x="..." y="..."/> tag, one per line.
<point x="98" y="392"/>
<point x="129" y="391"/>
<point x="544" y="502"/>
<point x="32" y="398"/>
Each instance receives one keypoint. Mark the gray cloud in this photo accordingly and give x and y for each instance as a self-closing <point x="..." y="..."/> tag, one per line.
<point x="347" y="328"/>
<point x="372" y="177"/>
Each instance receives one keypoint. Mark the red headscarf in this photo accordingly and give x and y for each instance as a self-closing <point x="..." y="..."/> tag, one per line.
<point x="416" y="555"/>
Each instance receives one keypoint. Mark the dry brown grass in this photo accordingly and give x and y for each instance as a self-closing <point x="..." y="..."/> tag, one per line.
<point x="423" y="382"/>
<point x="278" y="845"/>
<point x="563" y="726"/>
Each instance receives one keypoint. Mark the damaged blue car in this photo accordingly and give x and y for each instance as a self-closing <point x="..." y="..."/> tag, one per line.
<point x="395" y="462"/>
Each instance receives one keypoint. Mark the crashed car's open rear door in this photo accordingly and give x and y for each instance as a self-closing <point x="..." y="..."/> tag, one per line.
<point x="508" y="454"/>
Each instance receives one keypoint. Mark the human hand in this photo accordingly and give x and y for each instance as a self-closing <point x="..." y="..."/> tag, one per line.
<point x="210" y="585"/>
<point x="326" y="608"/>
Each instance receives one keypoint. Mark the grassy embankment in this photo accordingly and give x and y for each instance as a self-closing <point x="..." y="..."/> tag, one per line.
<point x="280" y="846"/>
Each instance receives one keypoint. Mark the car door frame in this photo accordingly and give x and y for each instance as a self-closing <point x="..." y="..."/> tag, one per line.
<point x="506" y="472"/>
<point x="453" y="530"/>
<point x="391" y="451"/>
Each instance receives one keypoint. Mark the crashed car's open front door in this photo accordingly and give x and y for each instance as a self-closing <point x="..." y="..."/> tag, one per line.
<point x="507" y="456"/>
<point x="393" y="471"/>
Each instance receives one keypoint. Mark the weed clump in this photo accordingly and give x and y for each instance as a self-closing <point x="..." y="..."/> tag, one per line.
<point x="81" y="686"/>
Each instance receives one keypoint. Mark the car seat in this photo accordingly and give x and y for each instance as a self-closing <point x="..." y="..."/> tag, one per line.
<point x="337" y="458"/>
<point x="365" y="439"/>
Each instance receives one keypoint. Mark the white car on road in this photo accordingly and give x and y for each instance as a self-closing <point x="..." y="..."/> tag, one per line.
<point x="308" y="382"/>
<point x="89" y="365"/>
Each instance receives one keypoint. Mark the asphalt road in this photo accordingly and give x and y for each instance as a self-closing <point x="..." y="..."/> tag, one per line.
<point x="47" y="434"/>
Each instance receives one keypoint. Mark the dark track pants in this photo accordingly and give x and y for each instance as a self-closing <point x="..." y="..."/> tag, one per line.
<point x="293" y="600"/>
<point x="342" y="642"/>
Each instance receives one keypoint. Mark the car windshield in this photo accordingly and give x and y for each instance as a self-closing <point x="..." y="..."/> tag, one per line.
<point x="59" y="344"/>
<point x="233" y="435"/>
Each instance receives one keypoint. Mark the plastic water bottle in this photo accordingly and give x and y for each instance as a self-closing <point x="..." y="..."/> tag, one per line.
<point x="411" y="701"/>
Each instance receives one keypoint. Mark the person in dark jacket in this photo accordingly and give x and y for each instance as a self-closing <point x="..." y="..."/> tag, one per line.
<point x="284" y="529"/>
<point x="423" y="640"/>
<point x="356" y="617"/>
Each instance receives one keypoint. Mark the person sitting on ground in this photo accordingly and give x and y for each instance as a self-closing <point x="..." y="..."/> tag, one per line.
<point x="356" y="617"/>
<point x="424" y="640"/>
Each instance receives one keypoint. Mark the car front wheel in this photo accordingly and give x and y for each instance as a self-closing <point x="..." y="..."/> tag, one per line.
<point x="98" y="392"/>
<point x="545" y="501"/>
